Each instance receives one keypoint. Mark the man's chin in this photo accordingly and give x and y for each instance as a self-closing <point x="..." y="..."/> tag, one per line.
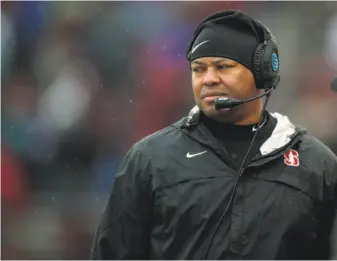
<point x="217" y="114"/>
<point x="210" y="108"/>
<point x="211" y="111"/>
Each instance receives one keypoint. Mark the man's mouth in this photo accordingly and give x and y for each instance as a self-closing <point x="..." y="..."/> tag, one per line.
<point x="211" y="98"/>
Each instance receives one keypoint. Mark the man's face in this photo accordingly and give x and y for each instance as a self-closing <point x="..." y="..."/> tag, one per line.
<point x="214" y="77"/>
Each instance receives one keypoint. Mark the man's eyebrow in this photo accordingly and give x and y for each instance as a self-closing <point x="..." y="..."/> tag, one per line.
<point x="221" y="60"/>
<point x="214" y="62"/>
<point x="197" y="62"/>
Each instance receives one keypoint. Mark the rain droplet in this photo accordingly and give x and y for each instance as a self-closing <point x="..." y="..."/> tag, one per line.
<point x="12" y="126"/>
<point x="164" y="47"/>
<point x="53" y="198"/>
<point x="143" y="82"/>
<point x="127" y="30"/>
<point x="102" y="85"/>
<point x="130" y="101"/>
<point x="147" y="51"/>
<point x="178" y="54"/>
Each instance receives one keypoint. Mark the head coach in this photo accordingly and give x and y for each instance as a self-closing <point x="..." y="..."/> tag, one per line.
<point x="230" y="180"/>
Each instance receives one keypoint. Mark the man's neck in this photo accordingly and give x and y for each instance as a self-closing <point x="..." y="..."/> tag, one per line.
<point x="253" y="119"/>
<point x="228" y="131"/>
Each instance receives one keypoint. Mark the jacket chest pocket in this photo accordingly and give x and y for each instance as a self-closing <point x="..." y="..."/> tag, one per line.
<point x="292" y="189"/>
<point x="301" y="204"/>
<point x="184" y="207"/>
<point x="287" y="208"/>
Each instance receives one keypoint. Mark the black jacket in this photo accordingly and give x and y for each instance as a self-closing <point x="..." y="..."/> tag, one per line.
<point x="169" y="194"/>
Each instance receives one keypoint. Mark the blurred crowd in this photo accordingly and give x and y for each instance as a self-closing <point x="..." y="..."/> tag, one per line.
<point x="82" y="81"/>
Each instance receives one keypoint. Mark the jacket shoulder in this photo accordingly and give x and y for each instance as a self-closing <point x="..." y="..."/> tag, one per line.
<point x="157" y="142"/>
<point x="318" y="148"/>
<point x="319" y="154"/>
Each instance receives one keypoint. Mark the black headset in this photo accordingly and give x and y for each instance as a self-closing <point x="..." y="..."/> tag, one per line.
<point x="265" y="60"/>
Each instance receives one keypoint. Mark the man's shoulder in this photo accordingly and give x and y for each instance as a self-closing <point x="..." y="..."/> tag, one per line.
<point x="317" y="150"/>
<point x="161" y="140"/>
<point x="314" y="148"/>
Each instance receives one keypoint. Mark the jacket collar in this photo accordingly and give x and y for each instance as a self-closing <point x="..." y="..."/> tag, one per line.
<point x="283" y="134"/>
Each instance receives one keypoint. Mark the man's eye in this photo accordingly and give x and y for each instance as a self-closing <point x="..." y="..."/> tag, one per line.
<point x="223" y="66"/>
<point x="197" y="69"/>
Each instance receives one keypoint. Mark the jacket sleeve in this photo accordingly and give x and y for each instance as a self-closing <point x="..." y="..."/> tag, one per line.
<point x="333" y="231"/>
<point x="124" y="229"/>
<point x="326" y="243"/>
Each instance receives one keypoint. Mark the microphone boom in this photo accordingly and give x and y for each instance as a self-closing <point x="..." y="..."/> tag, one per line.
<point x="229" y="103"/>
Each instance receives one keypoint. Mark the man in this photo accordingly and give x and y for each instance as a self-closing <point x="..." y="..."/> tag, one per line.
<point x="190" y="191"/>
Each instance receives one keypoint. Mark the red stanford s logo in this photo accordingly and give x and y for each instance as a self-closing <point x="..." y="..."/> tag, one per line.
<point x="291" y="158"/>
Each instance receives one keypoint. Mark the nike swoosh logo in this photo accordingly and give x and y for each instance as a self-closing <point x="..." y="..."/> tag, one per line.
<point x="196" y="47"/>
<point x="188" y="155"/>
<point x="255" y="127"/>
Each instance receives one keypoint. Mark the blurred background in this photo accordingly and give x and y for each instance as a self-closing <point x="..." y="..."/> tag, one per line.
<point x="82" y="81"/>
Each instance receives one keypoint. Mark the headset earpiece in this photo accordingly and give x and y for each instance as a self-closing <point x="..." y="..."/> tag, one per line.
<point x="265" y="61"/>
<point x="257" y="66"/>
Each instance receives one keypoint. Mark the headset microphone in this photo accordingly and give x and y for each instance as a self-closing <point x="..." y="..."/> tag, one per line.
<point x="228" y="103"/>
<point x="333" y="85"/>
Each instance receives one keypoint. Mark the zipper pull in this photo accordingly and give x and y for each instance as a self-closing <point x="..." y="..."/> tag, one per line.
<point x="242" y="171"/>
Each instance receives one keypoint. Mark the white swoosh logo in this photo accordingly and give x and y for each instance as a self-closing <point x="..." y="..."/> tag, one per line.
<point x="188" y="155"/>
<point x="196" y="47"/>
<point x="255" y="127"/>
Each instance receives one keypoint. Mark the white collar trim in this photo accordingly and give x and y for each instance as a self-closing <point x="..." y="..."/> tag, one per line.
<point x="280" y="136"/>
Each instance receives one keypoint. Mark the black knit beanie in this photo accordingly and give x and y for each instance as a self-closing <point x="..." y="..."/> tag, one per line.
<point x="230" y="34"/>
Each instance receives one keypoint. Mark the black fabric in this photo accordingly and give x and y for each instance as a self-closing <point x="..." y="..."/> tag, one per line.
<point x="236" y="139"/>
<point x="257" y="66"/>
<point x="233" y="35"/>
<point x="164" y="204"/>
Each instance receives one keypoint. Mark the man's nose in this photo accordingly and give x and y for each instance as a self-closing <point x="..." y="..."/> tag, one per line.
<point x="211" y="78"/>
